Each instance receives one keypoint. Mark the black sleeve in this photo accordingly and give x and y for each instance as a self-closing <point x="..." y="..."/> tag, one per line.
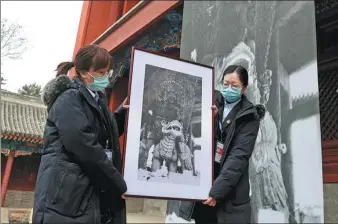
<point x="237" y="161"/>
<point x="77" y="137"/>
<point x="120" y="117"/>
<point x="219" y="101"/>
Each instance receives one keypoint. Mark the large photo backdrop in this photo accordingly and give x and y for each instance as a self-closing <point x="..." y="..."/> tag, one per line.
<point x="276" y="42"/>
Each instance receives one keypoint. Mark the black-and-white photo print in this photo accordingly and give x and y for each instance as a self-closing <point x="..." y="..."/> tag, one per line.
<point x="171" y="127"/>
<point x="276" y="42"/>
<point x="169" y="143"/>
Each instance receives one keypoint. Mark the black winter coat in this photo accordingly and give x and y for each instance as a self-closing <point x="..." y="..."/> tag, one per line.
<point x="76" y="182"/>
<point x="231" y="186"/>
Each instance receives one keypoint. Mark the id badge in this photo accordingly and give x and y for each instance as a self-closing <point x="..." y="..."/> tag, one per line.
<point x="219" y="152"/>
<point x="109" y="154"/>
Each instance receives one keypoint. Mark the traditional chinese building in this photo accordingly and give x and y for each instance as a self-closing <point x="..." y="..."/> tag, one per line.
<point x="22" y="124"/>
<point x="157" y="26"/>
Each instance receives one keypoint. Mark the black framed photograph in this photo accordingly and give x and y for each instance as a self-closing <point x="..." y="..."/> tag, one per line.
<point x="169" y="137"/>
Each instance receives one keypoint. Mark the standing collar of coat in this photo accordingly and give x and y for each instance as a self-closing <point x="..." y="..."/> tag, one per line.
<point x="246" y="107"/>
<point x="91" y="92"/>
<point x="228" y="107"/>
<point x="80" y="85"/>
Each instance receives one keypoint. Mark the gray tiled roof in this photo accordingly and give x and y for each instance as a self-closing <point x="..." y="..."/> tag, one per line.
<point x="22" y="117"/>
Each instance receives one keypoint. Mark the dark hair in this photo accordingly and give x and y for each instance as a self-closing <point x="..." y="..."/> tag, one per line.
<point x="240" y="70"/>
<point x="87" y="57"/>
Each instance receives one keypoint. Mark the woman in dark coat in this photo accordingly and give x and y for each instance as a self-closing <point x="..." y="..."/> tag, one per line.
<point x="236" y="128"/>
<point x="79" y="179"/>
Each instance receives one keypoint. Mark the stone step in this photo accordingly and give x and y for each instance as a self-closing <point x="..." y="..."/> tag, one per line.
<point x="4" y="215"/>
<point x="144" y="218"/>
<point x="12" y="215"/>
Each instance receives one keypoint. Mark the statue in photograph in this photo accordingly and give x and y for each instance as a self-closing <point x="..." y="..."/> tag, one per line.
<point x="268" y="191"/>
<point x="267" y="185"/>
<point x="170" y="150"/>
<point x="164" y="130"/>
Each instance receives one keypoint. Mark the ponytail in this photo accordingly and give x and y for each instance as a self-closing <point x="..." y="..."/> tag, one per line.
<point x="63" y="68"/>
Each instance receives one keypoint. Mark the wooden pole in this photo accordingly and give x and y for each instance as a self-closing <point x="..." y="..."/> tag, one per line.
<point x="6" y="176"/>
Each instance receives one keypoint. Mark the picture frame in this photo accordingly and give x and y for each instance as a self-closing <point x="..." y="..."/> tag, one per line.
<point x="169" y="130"/>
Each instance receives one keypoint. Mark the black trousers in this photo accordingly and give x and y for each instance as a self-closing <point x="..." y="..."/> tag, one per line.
<point x="204" y="214"/>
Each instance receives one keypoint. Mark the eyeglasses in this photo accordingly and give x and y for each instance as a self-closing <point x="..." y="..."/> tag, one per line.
<point x="109" y="74"/>
<point x="226" y="85"/>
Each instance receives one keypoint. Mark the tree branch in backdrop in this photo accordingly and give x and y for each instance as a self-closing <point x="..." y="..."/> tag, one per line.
<point x="13" y="44"/>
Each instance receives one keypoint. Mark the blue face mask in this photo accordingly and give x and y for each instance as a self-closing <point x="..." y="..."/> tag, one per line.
<point x="100" y="83"/>
<point x="231" y="94"/>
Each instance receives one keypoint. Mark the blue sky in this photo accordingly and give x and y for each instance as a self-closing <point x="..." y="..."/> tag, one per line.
<point x="50" y="28"/>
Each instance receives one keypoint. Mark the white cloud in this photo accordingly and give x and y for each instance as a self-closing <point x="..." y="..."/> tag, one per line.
<point x="51" y="29"/>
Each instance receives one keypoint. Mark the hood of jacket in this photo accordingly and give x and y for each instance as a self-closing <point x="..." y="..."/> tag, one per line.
<point x="260" y="109"/>
<point x="54" y="88"/>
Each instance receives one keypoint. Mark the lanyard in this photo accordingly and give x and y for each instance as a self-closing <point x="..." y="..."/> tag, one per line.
<point x="220" y="126"/>
<point x="221" y="129"/>
<point x="221" y="121"/>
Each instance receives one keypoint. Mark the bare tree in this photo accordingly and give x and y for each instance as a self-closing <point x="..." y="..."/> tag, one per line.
<point x="13" y="44"/>
<point x="3" y="81"/>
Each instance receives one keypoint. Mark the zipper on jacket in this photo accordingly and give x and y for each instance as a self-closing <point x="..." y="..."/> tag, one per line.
<point x="244" y="113"/>
<point x="95" y="219"/>
<point x="226" y="148"/>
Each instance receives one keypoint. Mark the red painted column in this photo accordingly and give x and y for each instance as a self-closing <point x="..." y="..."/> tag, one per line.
<point x="6" y="176"/>
<point x="96" y="17"/>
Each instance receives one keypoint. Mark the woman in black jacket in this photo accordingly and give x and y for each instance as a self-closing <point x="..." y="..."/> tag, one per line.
<point x="236" y="128"/>
<point x="79" y="179"/>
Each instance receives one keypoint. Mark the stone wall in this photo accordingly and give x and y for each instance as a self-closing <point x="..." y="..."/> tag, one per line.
<point x="19" y="199"/>
<point x="147" y="206"/>
<point x="134" y="205"/>
<point x="25" y="199"/>
<point x="331" y="203"/>
<point x="155" y="207"/>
